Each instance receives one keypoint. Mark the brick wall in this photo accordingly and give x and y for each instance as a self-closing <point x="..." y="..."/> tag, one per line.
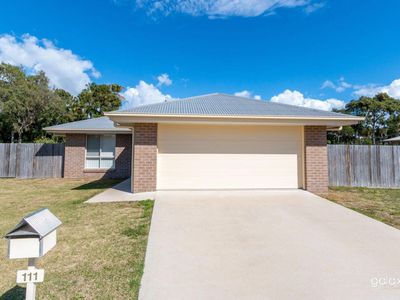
<point x="74" y="159"/>
<point x="74" y="162"/>
<point x="123" y="154"/>
<point x="316" y="159"/>
<point x="144" y="154"/>
<point x="144" y="157"/>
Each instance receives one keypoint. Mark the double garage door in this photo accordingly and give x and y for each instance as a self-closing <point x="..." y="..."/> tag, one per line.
<point x="229" y="157"/>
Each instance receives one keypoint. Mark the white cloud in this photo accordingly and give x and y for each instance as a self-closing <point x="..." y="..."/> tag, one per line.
<point x="221" y="8"/>
<point x="244" y="93"/>
<point x="247" y="94"/>
<point x="297" y="98"/>
<point x="164" y="79"/>
<point x="143" y="93"/>
<point x="392" y="89"/>
<point x="339" y="87"/>
<point x="345" y="85"/>
<point x="327" y="84"/>
<point x="313" y="7"/>
<point x="64" y="69"/>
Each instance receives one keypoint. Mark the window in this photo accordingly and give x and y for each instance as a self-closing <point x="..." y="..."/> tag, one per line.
<point x="100" y="151"/>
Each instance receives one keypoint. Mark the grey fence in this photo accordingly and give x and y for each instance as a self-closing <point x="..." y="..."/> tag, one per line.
<point x="364" y="166"/>
<point x="31" y="160"/>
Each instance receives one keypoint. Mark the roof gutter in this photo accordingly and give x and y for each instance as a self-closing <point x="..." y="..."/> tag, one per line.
<point x="127" y="119"/>
<point x="114" y="114"/>
<point x="334" y="128"/>
<point x="61" y="131"/>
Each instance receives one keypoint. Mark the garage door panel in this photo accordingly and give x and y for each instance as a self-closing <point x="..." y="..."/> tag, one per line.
<point x="229" y="146"/>
<point x="190" y="132"/>
<point x="231" y="157"/>
<point x="241" y="171"/>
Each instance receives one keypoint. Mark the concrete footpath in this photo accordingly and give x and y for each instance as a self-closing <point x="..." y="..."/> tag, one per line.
<point x="121" y="193"/>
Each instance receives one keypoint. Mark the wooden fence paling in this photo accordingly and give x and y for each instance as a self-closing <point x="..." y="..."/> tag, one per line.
<point x="31" y="160"/>
<point x="7" y="160"/>
<point x="364" y="166"/>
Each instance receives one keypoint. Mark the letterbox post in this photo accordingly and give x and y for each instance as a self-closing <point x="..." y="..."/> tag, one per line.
<point x="30" y="293"/>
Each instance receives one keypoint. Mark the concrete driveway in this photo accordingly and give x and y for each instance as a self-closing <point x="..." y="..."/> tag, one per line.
<point x="286" y="244"/>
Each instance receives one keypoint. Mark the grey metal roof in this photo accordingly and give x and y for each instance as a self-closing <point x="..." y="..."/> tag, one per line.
<point x="39" y="223"/>
<point x="228" y="105"/>
<point x="23" y="231"/>
<point x="98" y="124"/>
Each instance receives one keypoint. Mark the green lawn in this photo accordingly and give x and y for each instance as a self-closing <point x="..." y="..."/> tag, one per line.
<point x="380" y="204"/>
<point x="100" y="249"/>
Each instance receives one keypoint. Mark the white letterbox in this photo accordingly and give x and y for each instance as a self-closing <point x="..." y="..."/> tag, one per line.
<point x="34" y="236"/>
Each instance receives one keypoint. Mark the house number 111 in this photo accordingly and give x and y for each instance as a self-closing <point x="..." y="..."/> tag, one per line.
<point x="27" y="276"/>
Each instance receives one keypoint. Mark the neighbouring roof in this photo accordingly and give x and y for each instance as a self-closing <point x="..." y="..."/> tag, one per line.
<point x="227" y="105"/>
<point x="395" y="139"/>
<point x="101" y="124"/>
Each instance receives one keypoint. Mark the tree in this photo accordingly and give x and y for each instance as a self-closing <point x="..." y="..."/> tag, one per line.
<point x="344" y="136"/>
<point x="27" y="104"/>
<point x="68" y="101"/>
<point x="10" y="76"/>
<point x="5" y="126"/>
<point x="26" y="101"/>
<point x="55" y="112"/>
<point x="95" y="99"/>
<point x="381" y="114"/>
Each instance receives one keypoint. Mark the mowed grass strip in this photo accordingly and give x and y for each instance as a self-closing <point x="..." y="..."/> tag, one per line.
<point x="100" y="249"/>
<point x="380" y="204"/>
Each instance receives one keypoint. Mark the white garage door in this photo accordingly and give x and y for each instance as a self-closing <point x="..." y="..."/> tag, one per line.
<point x="228" y="157"/>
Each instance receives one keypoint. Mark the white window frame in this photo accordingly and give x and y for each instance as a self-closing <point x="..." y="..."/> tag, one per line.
<point x="100" y="151"/>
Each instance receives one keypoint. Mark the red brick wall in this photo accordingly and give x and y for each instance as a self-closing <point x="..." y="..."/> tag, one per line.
<point x="74" y="162"/>
<point x="74" y="159"/>
<point x="144" y="157"/>
<point x="316" y="159"/>
<point x="123" y="155"/>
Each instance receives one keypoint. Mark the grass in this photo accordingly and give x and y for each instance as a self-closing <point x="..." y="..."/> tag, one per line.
<point x="100" y="248"/>
<point x="380" y="204"/>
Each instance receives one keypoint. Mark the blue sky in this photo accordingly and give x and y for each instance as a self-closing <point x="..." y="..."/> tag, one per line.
<point x="291" y="51"/>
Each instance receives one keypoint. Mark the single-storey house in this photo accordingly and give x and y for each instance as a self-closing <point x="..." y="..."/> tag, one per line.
<point x="215" y="141"/>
